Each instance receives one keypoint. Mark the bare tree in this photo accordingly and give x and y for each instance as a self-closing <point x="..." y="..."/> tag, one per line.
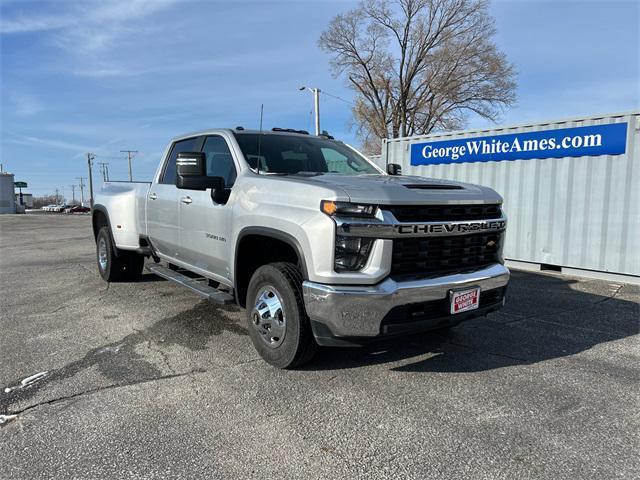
<point x="419" y="65"/>
<point x="39" y="202"/>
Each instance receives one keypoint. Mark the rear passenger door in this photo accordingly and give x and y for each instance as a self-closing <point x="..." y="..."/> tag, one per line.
<point x="163" y="202"/>
<point x="205" y="224"/>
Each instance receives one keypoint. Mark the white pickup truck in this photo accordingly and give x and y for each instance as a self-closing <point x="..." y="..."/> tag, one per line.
<point x="318" y="244"/>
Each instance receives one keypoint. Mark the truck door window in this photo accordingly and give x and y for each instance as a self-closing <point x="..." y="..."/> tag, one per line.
<point x="187" y="145"/>
<point x="219" y="159"/>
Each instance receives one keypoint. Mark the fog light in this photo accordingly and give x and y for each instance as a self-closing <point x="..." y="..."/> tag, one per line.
<point x="351" y="253"/>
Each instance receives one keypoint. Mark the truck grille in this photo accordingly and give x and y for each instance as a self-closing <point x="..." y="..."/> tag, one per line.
<point x="438" y="213"/>
<point x="427" y="256"/>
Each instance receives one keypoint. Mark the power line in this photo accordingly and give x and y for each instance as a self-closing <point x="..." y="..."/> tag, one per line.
<point x="338" y="98"/>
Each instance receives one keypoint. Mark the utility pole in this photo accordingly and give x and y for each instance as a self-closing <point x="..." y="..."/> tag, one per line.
<point x="57" y="197"/>
<point x="130" y="155"/>
<point x="90" y="157"/>
<point x="104" y="169"/>
<point x="316" y="104"/>
<point x="73" y="193"/>
<point x="81" y="185"/>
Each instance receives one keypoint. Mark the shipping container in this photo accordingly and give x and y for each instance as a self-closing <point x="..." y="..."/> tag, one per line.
<point x="573" y="205"/>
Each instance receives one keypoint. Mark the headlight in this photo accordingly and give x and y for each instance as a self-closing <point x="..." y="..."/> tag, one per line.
<point x="347" y="209"/>
<point x="351" y="253"/>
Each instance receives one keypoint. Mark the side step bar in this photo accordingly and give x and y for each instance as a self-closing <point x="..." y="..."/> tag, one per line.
<point x="192" y="284"/>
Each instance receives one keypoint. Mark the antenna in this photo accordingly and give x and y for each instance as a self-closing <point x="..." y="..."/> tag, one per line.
<point x="259" y="137"/>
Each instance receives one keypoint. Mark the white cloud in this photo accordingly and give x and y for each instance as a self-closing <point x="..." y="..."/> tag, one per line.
<point x="44" y="142"/>
<point x="25" y="104"/>
<point x="83" y="13"/>
<point x="78" y="149"/>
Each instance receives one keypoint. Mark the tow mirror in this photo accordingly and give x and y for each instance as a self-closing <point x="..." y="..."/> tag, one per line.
<point x="394" y="169"/>
<point x="191" y="169"/>
<point x="191" y="174"/>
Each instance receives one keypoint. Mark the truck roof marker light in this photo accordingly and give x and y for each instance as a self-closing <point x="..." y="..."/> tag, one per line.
<point x="329" y="207"/>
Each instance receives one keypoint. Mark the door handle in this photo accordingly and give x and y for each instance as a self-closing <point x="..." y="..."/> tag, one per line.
<point x="186" y="200"/>
<point x="152" y="196"/>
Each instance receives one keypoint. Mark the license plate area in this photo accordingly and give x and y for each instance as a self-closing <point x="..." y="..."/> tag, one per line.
<point x="464" y="300"/>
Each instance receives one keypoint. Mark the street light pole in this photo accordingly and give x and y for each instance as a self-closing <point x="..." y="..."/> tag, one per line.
<point x="316" y="105"/>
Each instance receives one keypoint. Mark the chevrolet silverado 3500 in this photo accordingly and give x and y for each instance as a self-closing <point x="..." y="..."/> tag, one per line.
<point x="318" y="244"/>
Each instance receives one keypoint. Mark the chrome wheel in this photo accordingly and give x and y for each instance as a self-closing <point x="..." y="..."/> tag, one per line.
<point x="102" y="253"/>
<point x="268" y="318"/>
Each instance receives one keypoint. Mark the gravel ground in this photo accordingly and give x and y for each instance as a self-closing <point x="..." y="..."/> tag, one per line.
<point x="145" y="380"/>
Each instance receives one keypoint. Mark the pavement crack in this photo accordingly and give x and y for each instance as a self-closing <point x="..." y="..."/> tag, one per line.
<point x="475" y="350"/>
<point x="87" y="269"/>
<point x="92" y="391"/>
<point x="163" y="355"/>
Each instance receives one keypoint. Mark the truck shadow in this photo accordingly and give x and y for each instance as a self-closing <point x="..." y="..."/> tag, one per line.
<point x="546" y="317"/>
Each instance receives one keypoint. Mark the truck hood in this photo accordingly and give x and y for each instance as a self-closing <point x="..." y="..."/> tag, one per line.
<point x="398" y="190"/>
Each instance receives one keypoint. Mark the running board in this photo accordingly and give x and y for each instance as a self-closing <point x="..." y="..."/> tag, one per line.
<point x="202" y="289"/>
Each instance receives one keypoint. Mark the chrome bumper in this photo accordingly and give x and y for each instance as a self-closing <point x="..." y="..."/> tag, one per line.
<point x="358" y="311"/>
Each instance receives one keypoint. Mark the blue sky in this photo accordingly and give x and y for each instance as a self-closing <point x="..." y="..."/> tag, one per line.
<point x="101" y="76"/>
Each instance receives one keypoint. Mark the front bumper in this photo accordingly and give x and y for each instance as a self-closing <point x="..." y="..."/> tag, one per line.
<point x="358" y="311"/>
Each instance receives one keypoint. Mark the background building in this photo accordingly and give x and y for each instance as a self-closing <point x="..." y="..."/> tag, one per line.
<point x="27" y="199"/>
<point x="571" y="187"/>
<point x="7" y="193"/>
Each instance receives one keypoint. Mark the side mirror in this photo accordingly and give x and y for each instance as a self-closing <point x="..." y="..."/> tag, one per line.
<point x="191" y="174"/>
<point x="394" y="169"/>
<point x="191" y="169"/>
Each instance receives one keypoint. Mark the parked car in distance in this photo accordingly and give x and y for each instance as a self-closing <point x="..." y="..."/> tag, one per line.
<point x="77" y="209"/>
<point x="60" y="208"/>
<point x="47" y="208"/>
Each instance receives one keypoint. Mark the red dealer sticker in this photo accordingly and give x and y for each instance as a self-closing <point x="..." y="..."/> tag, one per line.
<point x="465" y="300"/>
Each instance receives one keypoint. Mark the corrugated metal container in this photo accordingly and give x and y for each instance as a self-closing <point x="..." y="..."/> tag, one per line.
<point x="378" y="160"/>
<point x="7" y="196"/>
<point x="577" y="212"/>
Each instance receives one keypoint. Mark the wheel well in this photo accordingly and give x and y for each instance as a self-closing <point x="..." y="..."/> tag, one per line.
<point x="99" y="220"/>
<point x="257" y="250"/>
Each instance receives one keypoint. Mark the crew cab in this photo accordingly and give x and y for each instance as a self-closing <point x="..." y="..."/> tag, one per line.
<point x="318" y="244"/>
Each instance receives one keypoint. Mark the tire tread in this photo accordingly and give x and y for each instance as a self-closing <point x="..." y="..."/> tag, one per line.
<point x="308" y="345"/>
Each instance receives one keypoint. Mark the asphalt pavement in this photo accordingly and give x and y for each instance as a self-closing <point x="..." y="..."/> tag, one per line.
<point x="145" y="380"/>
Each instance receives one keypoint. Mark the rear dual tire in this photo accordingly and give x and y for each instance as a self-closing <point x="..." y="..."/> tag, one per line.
<point x="116" y="265"/>
<point x="276" y="318"/>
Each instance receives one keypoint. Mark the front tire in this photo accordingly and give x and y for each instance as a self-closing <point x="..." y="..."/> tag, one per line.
<point x="116" y="265"/>
<point x="277" y="321"/>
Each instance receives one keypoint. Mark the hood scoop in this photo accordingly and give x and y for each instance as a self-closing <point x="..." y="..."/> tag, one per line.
<point x="433" y="186"/>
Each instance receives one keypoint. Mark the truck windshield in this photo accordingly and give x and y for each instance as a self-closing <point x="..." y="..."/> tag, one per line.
<point x="291" y="154"/>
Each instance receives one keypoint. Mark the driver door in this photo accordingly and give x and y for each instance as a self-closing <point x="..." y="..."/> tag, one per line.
<point x="163" y="202"/>
<point x="205" y="224"/>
